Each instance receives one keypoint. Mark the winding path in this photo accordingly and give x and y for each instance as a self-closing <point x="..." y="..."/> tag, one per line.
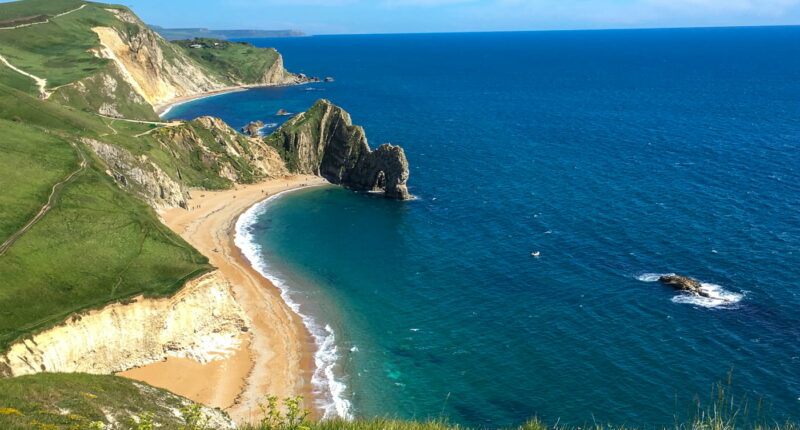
<point x="56" y="191"/>
<point x="40" y="82"/>
<point x="30" y="24"/>
<point x="140" y="121"/>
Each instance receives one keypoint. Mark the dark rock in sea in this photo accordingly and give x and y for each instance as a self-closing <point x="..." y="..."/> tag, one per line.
<point x="683" y="283"/>
<point x="329" y="79"/>
<point x="282" y="112"/>
<point x="323" y="141"/>
<point x="253" y="128"/>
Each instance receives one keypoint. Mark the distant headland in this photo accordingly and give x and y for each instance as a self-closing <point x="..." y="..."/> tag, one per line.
<point x="191" y="33"/>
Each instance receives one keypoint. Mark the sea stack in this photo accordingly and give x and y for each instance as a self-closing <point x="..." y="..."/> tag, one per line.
<point x="323" y="141"/>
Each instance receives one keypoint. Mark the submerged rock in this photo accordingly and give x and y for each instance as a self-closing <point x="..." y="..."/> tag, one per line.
<point x="323" y="141"/>
<point x="253" y="128"/>
<point x="329" y="79"/>
<point x="683" y="283"/>
<point x="282" y="112"/>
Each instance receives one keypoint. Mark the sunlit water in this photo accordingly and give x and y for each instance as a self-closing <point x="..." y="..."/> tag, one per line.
<point x="618" y="155"/>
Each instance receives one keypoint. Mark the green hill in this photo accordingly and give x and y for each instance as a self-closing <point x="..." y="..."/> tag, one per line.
<point x="70" y="232"/>
<point x="78" y="401"/>
<point x="85" y="163"/>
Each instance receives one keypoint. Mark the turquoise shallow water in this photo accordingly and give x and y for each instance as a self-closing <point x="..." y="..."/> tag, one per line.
<point x="616" y="154"/>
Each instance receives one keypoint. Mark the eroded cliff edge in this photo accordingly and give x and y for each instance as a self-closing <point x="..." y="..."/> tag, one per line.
<point x="144" y="71"/>
<point x="202" y="322"/>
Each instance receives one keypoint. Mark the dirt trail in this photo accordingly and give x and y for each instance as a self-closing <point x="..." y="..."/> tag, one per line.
<point x="45" y="21"/>
<point x="56" y="191"/>
<point x="40" y="82"/>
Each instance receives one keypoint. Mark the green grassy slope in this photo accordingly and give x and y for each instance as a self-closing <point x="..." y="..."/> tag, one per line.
<point x="60" y="52"/>
<point x="239" y="62"/>
<point x="309" y="120"/>
<point x="29" y="8"/>
<point x="75" y="401"/>
<point x="31" y="162"/>
<point x="98" y="244"/>
<point x="201" y="152"/>
<point x="57" y="50"/>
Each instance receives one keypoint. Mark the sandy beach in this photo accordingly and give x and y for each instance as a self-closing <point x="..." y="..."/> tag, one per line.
<point x="163" y="108"/>
<point x="276" y="356"/>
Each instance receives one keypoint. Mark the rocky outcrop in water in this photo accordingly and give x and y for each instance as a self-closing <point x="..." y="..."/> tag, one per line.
<point x="253" y="128"/>
<point x="323" y="141"/>
<point x="683" y="283"/>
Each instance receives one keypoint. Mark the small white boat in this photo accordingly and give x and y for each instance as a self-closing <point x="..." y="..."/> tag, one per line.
<point x="535" y="254"/>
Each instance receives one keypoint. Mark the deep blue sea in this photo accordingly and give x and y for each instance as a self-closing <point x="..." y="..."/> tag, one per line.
<point x="617" y="155"/>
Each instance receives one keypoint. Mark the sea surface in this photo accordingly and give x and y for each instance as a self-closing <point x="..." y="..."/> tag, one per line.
<point x="616" y="155"/>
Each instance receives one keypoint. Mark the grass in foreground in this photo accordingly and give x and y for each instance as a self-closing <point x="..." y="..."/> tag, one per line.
<point x="82" y="402"/>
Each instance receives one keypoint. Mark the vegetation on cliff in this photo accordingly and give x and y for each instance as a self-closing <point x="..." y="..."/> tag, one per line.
<point x="323" y="141"/>
<point x="241" y="62"/>
<point x="96" y="243"/>
<point x="85" y="161"/>
<point x="78" y="402"/>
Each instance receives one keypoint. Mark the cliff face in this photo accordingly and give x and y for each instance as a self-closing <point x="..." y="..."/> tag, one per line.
<point x="141" y="176"/>
<point x="201" y="322"/>
<point x="323" y="141"/>
<point x="160" y="71"/>
<point x="155" y="70"/>
<point x="216" y="152"/>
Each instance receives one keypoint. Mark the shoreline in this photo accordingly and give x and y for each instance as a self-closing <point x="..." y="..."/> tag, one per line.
<point x="277" y="354"/>
<point x="164" y="108"/>
<point x="325" y="355"/>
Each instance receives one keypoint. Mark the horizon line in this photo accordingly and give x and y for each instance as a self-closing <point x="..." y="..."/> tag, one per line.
<point x="700" y="27"/>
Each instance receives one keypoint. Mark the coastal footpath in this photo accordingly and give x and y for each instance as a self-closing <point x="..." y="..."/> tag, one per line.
<point x="122" y="258"/>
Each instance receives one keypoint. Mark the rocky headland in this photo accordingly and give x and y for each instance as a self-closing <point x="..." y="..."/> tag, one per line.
<point x="323" y="141"/>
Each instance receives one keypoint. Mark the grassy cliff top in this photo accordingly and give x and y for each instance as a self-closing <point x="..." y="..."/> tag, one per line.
<point x="14" y="13"/>
<point x="96" y="244"/>
<point x="51" y="401"/>
<point x="238" y="61"/>
<point x="83" y="402"/>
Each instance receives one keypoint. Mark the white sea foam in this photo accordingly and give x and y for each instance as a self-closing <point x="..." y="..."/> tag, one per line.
<point x="330" y="391"/>
<point x="269" y="126"/>
<point x="718" y="295"/>
<point x="652" y="277"/>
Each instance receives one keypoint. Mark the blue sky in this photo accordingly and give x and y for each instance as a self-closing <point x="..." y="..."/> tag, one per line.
<point x="400" y="16"/>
